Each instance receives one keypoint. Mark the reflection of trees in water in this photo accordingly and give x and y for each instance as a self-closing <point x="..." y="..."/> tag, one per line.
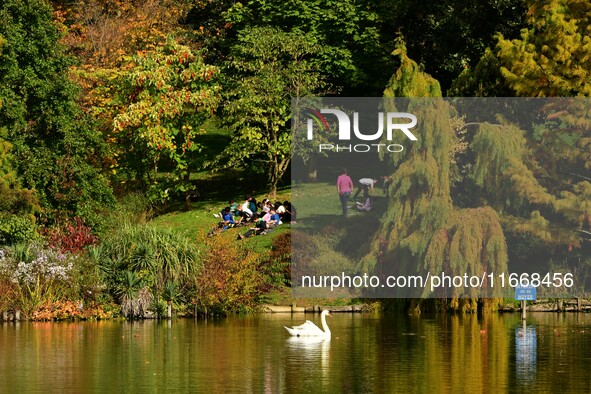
<point x="367" y="353"/>
<point x="466" y="352"/>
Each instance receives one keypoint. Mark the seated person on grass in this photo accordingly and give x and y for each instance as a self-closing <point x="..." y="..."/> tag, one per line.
<point x="364" y="206"/>
<point x="252" y="203"/>
<point x="228" y="218"/>
<point x="264" y="207"/>
<point x="272" y="219"/>
<point x="226" y="223"/>
<point x="233" y="209"/>
<point x="245" y="212"/>
<point x="259" y="227"/>
<point x="290" y="213"/>
<point x="279" y="208"/>
<point x="262" y="224"/>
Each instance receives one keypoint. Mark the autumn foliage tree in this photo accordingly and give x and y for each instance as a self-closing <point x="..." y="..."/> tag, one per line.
<point x="100" y="32"/>
<point x="230" y="280"/>
<point x="553" y="59"/>
<point x="506" y="191"/>
<point x="552" y="56"/>
<point x="163" y="97"/>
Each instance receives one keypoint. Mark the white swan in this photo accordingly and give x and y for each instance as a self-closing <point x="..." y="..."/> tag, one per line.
<point x="309" y="329"/>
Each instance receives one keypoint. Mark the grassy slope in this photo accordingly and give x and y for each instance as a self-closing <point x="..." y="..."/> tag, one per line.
<point x="317" y="204"/>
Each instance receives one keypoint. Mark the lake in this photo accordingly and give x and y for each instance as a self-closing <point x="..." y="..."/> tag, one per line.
<point x="253" y="354"/>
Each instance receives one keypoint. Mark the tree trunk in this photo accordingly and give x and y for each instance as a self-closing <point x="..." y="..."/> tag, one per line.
<point x="169" y="309"/>
<point x="273" y="190"/>
<point x="272" y="178"/>
<point x="189" y="192"/>
<point x="312" y="167"/>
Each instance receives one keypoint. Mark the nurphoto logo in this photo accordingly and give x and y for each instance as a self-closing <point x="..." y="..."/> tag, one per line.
<point x="391" y="122"/>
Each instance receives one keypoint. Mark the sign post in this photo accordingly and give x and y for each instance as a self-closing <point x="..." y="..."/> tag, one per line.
<point x="524" y="294"/>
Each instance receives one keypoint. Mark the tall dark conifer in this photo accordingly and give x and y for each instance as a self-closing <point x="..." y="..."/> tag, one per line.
<point x="56" y="150"/>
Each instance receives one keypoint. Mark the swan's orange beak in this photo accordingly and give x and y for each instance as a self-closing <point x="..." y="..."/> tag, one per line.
<point x="329" y="315"/>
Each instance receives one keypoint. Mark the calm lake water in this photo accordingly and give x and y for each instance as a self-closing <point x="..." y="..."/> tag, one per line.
<point x="254" y="354"/>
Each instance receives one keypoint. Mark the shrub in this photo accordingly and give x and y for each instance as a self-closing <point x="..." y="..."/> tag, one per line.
<point x="66" y="310"/>
<point x="156" y="256"/>
<point x="15" y="229"/>
<point x="159" y="308"/>
<point x="277" y="268"/>
<point x="34" y="276"/>
<point x="230" y="280"/>
<point x="316" y="255"/>
<point x="133" y="208"/>
<point x="71" y="236"/>
<point x="26" y="264"/>
<point x="7" y="294"/>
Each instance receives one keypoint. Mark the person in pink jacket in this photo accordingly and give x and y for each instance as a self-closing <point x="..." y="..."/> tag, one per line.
<point x="344" y="187"/>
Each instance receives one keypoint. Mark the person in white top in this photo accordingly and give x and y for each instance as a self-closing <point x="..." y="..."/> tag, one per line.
<point x="265" y="206"/>
<point x="365" y="184"/>
<point x="245" y="212"/>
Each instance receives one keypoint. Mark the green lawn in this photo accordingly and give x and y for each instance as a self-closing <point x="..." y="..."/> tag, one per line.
<point x="197" y="222"/>
<point x="318" y="208"/>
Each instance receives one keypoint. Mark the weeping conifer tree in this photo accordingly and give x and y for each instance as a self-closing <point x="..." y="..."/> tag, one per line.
<point x="503" y="173"/>
<point x="552" y="58"/>
<point x="422" y="229"/>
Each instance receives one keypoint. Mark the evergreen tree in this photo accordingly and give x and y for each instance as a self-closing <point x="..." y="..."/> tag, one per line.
<point x="449" y="36"/>
<point x="552" y="57"/>
<point x="483" y="80"/>
<point x="422" y="229"/>
<point x="57" y="153"/>
<point x="14" y="199"/>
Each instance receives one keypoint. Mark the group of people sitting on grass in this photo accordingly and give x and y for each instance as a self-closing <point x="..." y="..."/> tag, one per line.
<point x="261" y="216"/>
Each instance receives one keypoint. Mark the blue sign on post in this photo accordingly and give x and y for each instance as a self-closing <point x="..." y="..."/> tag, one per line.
<point x="525" y="293"/>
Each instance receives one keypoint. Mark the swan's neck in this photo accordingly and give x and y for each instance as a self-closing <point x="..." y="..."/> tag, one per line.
<point x="324" y="325"/>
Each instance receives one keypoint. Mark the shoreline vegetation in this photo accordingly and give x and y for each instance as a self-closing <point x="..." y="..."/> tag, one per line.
<point x="569" y="305"/>
<point x="125" y="127"/>
<point x="126" y="272"/>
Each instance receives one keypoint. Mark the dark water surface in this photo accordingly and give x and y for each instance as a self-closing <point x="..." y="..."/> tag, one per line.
<point x="254" y="354"/>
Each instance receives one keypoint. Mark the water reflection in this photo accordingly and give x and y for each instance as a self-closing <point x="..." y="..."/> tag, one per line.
<point x="312" y="346"/>
<point x="253" y="354"/>
<point x="310" y="349"/>
<point x="526" y="348"/>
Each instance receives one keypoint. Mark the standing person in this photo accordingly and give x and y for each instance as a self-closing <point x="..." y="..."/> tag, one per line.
<point x="344" y="187"/>
<point x="365" y="184"/>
